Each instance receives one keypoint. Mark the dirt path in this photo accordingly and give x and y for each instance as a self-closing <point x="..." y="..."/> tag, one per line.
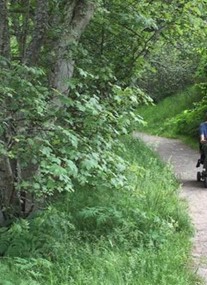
<point x="184" y="159"/>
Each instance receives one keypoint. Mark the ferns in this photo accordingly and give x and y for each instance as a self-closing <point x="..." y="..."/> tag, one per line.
<point x="14" y="240"/>
<point x="100" y="218"/>
<point x="35" y="237"/>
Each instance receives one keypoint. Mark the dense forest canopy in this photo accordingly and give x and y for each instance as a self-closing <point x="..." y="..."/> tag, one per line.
<point x="72" y="75"/>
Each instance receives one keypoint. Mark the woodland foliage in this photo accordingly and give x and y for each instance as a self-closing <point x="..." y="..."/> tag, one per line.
<point x="68" y="93"/>
<point x="73" y="74"/>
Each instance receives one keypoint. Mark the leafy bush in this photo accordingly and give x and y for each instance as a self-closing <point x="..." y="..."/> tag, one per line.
<point x="176" y="115"/>
<point x="187" y="122"/>
<point x="48" y="151"/>
<point x="168" y="73"/>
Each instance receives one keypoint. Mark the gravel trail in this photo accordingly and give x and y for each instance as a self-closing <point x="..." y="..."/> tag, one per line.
<point x="184" y="159"/>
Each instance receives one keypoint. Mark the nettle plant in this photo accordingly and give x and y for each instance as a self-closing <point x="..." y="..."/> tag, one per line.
<point x="45" y="151"/>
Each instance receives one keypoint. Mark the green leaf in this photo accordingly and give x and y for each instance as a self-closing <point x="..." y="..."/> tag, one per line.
<point x="71" y="167"/>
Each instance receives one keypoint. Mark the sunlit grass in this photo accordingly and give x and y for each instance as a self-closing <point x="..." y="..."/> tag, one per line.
<point x="158" y="115"/>
<point x="142" y="237"/>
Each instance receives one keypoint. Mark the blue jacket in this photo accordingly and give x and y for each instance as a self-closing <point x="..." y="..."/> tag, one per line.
<point x="203" y="129"/>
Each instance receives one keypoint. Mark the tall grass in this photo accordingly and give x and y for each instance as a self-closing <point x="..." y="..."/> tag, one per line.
<point x="158" y="116"/>
<point x="135" y="236"/>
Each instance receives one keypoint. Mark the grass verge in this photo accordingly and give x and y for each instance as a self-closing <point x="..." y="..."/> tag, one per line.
<point x="159" y="117"/>
<point x="137" y="235"/>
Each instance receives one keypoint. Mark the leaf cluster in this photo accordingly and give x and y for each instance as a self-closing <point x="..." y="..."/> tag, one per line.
<point x="59" y="150"/>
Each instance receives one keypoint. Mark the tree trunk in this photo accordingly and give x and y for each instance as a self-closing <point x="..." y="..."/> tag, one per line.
<point x="78" y="15"/>
<point x="40" y="28"/>
<point x="4" y="30"/>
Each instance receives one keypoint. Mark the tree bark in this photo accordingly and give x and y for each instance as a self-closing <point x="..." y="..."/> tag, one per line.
<point x="4" y="30"/>
<point x="41" y="25"/>
<point x="78" y="15"/>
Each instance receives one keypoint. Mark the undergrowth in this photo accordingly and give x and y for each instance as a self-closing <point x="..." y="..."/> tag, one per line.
<point x="164" y="118"/>
<point x="135" y="235"/>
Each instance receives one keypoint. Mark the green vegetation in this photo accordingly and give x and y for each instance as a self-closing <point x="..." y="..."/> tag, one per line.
<point x="134" y="236"/>
<point x="77" y="205"/>
<point x="177" y="116"/>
